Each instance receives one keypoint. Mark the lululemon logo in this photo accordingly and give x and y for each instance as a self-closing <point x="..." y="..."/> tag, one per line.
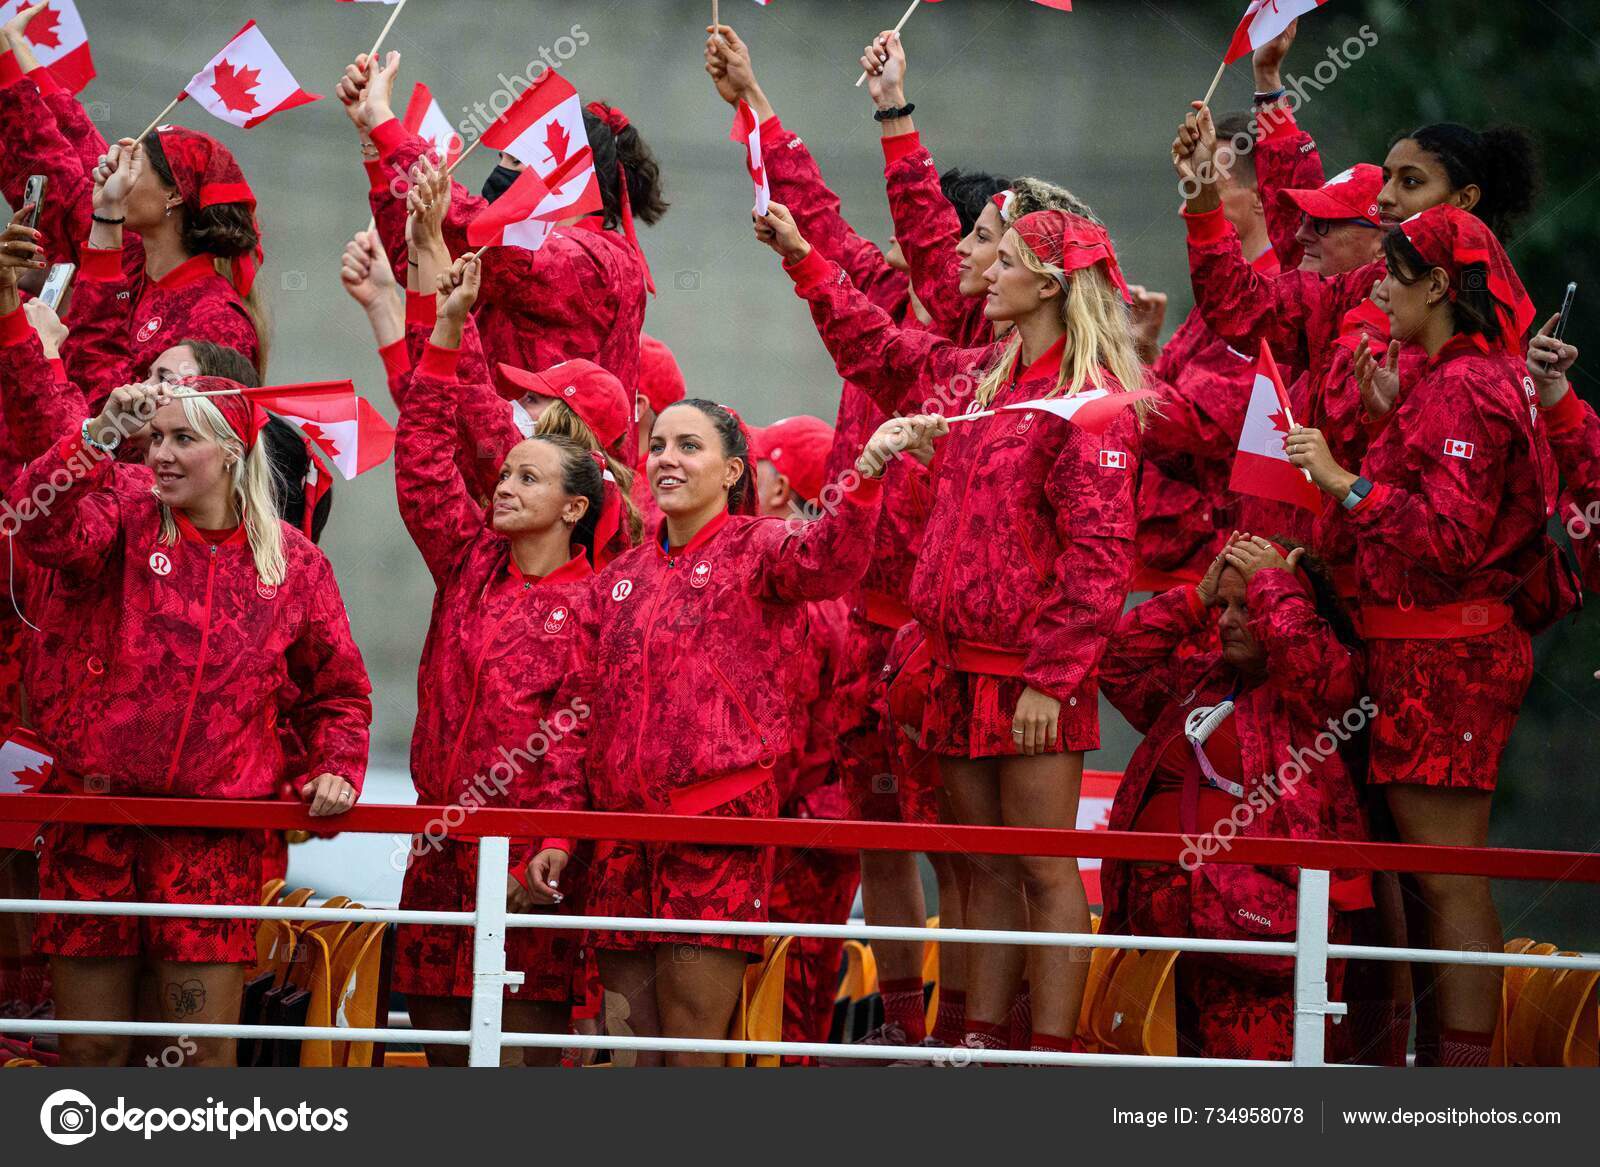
<point x="159" y="563"/>
<point x="149" y="328"/>
<point x="621" y="590"/>
<point x="555" y="621"/>
<point x="701" y="575"/>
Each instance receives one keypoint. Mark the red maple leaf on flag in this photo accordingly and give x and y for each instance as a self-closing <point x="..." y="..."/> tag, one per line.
<point x="557" y="141"/>
<point x="33" y="776"/>
<point x="234" y="86"/>
<point x="42" y="29"/>
<point x="1279" y="421"/>
<point x="314" y="432"/>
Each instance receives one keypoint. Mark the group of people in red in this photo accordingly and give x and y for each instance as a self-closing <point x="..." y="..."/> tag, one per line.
<point x="646" y="604"/>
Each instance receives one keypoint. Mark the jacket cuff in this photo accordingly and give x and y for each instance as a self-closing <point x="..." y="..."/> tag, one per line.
<point x="438" y="362"/>
<point x="770" y="127"/>
<point x="396" y="361"/>
<point x="58" y="370"/>
<point x="566" y="845"/>
<point x="375" y="174"/>
<point x="389" y="137"/>
<point x="46" y="81"/>
<point x="1564" y="415"/>
<point x="898" y="146"/>
<point x="15" y="327"/>
<point x="810" y="271"/>
<point x="1275" y="124"/>
<point x="1363" y="511"/>
<point x="868" y="493"/>
<point x="1207" y="227"/>
<point x="421" y="308"/>
<point x="100" y="263"/>
<point x="10" y="71"/>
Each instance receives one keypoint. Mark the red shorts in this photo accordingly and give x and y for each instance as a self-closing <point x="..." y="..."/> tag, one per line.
<point x="1446" y="708"/>
<point x="164" y="865"/>
<point x="685" y="881"/>
<point x="435" y="960"/>
<point x="969" y="716"/>
<point x="881" y="782"/>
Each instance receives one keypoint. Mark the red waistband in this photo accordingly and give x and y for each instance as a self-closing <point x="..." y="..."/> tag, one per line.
<point x="970" y="656"/>
<point x="887" y="611"/>
<point x="1446" y="622"/>
<point x="700" y="797"/>
<point x="1153" y="579"/>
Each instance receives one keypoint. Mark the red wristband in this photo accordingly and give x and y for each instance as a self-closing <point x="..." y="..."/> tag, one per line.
<point x="438" y="361"/>
<point x="898" y="146"/>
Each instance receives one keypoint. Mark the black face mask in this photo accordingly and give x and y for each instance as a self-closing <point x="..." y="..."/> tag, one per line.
<point x="499" y="181"/>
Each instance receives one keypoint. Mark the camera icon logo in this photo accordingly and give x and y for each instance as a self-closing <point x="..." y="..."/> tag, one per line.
<point x="1475" y="615"/>
<point x="686" y="281"/>
<point x="68" y="1117"/>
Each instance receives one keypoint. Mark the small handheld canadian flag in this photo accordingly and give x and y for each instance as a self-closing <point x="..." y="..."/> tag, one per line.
<point x="1092" y="410"/>
<point x="1263" y="21"/>
<point x="747" y="129"/>
<point x="353" y="435"/>
<point x="247" y="82"/>
<point x="1262" y="467"/>
<point x="426" y="119"/>
<point x="58" y="39"/>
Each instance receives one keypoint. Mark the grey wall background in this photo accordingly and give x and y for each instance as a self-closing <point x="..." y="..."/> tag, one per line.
<point x="1089" y="99"/>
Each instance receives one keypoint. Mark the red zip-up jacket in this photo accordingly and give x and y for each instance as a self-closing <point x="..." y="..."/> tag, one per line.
<point x="1574" y="433"/>
<point x="907" y="493"/>
<point x="1463" y="483"/>
<point x="162" y="669"/>
<point x="928" y="229"/>
<point x="506" y="678"/>
<point x="581" y="295"/>
<point x="1313" y="681"/>
<point x="700" y="648"/>
<point x="1029" y="547"/>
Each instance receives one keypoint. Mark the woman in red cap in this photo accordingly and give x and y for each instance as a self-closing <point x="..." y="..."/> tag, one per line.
<point x="1026" y="561"/>
<point x="509" y="649"/>
<point x="702" y="643"/>
<point x="1453" y="566"/>
<point x="184" y="614"/>
<point x="1238" y="684"/>
<point x="583" y="293"/>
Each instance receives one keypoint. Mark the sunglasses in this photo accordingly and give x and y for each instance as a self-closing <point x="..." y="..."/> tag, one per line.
<point x="1324" y="226"/>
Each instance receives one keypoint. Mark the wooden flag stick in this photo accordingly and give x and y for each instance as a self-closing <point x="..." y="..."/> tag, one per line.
<point x="862" y="79"/>
<point x="156" y="121"/>
<point x="471" y="146"/>
<point x="393" y="16"/>
<point x="716" y="21"/>
<point x="205" y="393"/>
<point x="952" y="418"/>
<point x="1215" y="81"/>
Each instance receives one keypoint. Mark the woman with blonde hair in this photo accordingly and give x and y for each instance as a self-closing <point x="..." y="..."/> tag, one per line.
<point x="180" y="619"/>
<point x="1026" y="562"/>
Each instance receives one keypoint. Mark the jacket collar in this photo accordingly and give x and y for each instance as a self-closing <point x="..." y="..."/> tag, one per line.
<point x="190" y="271"/>
<point x="576" y="568"/>
<point x="190" y="532"/>
<point x="1047" y="366"/>
<point x="701" y="537"/>
<point x="1462" y="344"/>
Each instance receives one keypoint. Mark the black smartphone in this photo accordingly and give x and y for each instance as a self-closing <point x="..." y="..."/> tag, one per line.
<point x="1566" y="310"/>
<point x="33" y="194"/>
<point x="56" y="283"/>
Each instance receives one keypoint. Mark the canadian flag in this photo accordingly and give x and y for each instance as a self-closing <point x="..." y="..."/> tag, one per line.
<point x="543" y="129"/>
<point x="1456" y="448"/>
<point x="426" y="119"/>
<point x="747" y="129"/>
<point x="350" y="432"/>
<point x="58" y="39"/>
<point x="1092" y="411"/>
<point x="1099" y="790"/>
<point x="24" y="768"/>
<point x="247" y="82"/>
<point x="1261" y="467"/>
<point x="1264" y="20"/>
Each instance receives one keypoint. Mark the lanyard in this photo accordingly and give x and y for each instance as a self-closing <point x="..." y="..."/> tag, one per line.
<point x="1201" y="723"/>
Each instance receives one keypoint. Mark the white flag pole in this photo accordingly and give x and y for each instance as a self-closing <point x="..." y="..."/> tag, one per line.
<point x="862" y="79"/>
<point x="393" y="16"/>
<point x="156" y="121"/>
<point x="1215" y="81"/>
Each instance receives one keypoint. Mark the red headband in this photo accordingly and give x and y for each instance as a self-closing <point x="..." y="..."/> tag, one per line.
<point x="1002" y="202"/>
<point x="207" y="175"/>
<point x="616" y="121"/>
<point x="1448" y="237"/>
<point x="244" y="417"/>
<point x="1071" y="243"/>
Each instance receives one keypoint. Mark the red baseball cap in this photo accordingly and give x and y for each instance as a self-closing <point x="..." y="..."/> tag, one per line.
<point x="798" y="448"/>
<point x="596" y="396"/>
<point x="660" y="379"/>
<point x="1351" y="195"/>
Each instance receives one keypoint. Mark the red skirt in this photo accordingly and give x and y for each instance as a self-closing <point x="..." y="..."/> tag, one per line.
<point x="969" y="715"/>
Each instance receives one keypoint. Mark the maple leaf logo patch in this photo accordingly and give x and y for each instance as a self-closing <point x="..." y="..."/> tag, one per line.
<point x="233" y="86"/>
<point x="42" y="30"/>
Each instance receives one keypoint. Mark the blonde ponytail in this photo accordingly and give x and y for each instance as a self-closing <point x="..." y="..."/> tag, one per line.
<point x="559" y="419"/>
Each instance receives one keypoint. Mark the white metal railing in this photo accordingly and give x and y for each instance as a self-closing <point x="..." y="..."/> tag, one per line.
<point x="485" y="1038"/>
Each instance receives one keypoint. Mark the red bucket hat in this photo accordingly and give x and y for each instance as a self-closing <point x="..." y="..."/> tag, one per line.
<point x="798" y="447"/>
<point x="1071" y="243"/>
<point x="596" y="396"/>
<point x="660" y="379"/>
<point x="1450" y="238"/>
<point x="207" y="175"/>
<point x="1351" y="195"/>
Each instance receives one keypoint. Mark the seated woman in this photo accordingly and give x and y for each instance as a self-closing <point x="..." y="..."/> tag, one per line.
<point x="1242" y="738"/>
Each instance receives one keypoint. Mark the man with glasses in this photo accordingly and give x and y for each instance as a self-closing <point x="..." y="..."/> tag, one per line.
<point x="1339" y="225"/>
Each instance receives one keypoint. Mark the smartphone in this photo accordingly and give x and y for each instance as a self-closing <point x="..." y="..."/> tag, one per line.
<point x="34" y="193"/>
<point x="56" y="283"/>
<point x="1566" y="310"/>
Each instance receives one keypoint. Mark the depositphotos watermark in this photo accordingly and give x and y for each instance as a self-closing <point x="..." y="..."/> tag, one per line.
<point x="1261" y="798"/>
<point x="70" y="1117"/>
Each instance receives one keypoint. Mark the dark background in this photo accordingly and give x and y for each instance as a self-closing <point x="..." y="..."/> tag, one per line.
<point x="1089" y="99"/>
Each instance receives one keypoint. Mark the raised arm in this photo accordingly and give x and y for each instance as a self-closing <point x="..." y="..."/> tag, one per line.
<point x="1142" y="673"/>
<point x="34" y="144"/>
<point x="1286" y="158"/>
<point x="1574" y="432"/>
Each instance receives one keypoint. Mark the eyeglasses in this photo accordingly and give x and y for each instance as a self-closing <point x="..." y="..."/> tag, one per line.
<point x="1324" y="226"/>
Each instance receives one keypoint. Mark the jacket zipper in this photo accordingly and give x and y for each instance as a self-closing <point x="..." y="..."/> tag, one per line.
<point x="644" y="671"/>
<point x="472" y="699"/>
<point x="199" y="667"/>
<point x="744" y="710"/>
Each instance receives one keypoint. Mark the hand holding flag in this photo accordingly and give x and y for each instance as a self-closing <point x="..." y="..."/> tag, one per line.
<point x="1093" y="410"/>
<point x="1262" y="466"/>
<point x="352" y="434"/>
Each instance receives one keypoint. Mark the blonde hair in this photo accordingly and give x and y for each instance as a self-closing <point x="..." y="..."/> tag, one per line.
<point x="1035" y="194"/>
<point x="251" y="480"/>
<point x="560" y="420"/>
<point x="1099" y="339"/>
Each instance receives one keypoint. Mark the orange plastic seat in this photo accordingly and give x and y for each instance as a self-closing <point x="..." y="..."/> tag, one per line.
<point x="1532" y="1007"/>
<point x="1570" y="1026"/>
<point x="1139" y="1011"/>
<point x="761" y="1004"/>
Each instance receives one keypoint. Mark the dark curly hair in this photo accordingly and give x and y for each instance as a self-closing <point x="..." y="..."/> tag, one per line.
<point x="638" y="164"/>
<point x="969" y="191"/>
<point x="1502" y="162"/>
